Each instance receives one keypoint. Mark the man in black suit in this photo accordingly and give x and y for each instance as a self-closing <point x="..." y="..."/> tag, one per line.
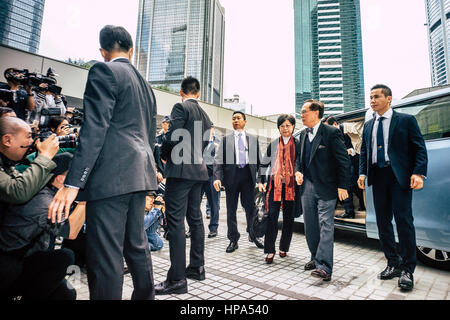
<point x="186" y="171"/>
<point x="160" y="165"/>
<point x="236" y="167"/>
<point x="113" y="168"/>
<point x="394" y="161"/>
<point x="325" y="165"/>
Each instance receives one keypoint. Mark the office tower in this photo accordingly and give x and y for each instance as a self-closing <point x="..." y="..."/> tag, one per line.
<point x="20" y="23"/>
<point x="438" y="21"/>
<point x="180" y="38"/>
<point x="328" y="54"/>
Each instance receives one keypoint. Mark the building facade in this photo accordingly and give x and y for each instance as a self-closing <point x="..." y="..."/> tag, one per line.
<point x="328" y="54"/>
<point x="235" y="104"/>
<point x="21" y="23"/>
<point x="180" y="38"/>
<point x="438" y="22"/>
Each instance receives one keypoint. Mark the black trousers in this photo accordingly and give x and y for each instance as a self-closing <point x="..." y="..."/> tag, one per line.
<point x="43" y="276"/>
<point x="114" y="230"/>
<point x="391" y="200"/>
<point x="244" y="186"/>
<point x="182" y="199"/>
<point x="272" y="223"/>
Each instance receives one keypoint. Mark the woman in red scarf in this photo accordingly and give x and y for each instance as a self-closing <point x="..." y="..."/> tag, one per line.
<point x="281" y="186"/>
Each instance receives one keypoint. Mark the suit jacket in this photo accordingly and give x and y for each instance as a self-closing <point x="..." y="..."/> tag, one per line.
<point x="225" y="165"/>
<point x="115" y="153"/>
<point x="159" y="164"/>
<point x="406" y="149"/>
<point x="183" y="149"/>
<point x="329" y="163"/>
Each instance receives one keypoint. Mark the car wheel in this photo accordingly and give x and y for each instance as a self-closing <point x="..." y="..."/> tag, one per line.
<point x="434" y="258"/>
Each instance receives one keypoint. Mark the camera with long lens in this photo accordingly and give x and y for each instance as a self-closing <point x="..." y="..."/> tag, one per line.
<point x="67" y="141"/>
<point x="34" y="79"/>
<point x="76" y="117"/>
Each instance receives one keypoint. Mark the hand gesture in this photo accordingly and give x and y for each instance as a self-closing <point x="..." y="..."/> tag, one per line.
<point x="262" y="187"/>
<point x="416" y="182"/>
<point x="343" y="194"/>
<point x="49" y="147"/>
<point x="217" y="185"/>
<point x="362" y="182"/>
<point x="62" y="201"/>
<point x="299" y="178"/>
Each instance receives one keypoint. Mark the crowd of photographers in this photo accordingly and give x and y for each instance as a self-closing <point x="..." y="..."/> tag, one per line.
<point x="38" y="136"/>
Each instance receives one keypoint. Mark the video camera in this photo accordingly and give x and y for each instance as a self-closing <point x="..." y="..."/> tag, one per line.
<point x="77" y="117"/>
<point x="8" y="95"/>
<point x="33" y="79"/>
<point x="46" y="114"/>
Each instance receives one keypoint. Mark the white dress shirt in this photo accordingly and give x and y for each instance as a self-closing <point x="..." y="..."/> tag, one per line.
<point x="236" y="145"/>
<point x="311" y="136"/>
<point x="386" y="125"/>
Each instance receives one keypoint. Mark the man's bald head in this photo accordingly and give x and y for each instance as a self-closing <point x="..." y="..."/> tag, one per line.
<point x="12" y="125"/>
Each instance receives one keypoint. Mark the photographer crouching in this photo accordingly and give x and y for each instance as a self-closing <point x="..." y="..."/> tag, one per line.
<point x="16" y="96"/>
<point x="26" y="234"/>
<point x="16" y="187"/>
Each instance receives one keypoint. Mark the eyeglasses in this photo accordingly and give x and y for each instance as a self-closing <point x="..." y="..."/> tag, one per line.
<point x="305" y="111"/>
<point x="286" y="126"/>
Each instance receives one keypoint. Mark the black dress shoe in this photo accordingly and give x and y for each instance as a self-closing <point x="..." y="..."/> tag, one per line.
<point x="171" y="287"/>
<point x="389" y="273"/>
<point x="232" y="246"/>
<point x="195" y="273"/>
<point x="347" y="215"/>
<point x="322" y="274"/>
<point x="256" y="241"/>
<point x="212" y="234"/>
<point x="406" y="281"/>
<point x="310" y="265"/>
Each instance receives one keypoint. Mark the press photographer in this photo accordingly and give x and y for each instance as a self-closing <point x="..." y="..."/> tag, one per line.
<point x="16" y="187"/>
<point x="17" y="94"/>
<point x="27" y="235"/>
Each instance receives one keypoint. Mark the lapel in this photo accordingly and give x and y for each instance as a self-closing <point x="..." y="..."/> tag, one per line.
<point x="302" y="145"/>
<point x="316" y="142"/>
<point x="394" y="122"/>
<point x="229" y="145"/>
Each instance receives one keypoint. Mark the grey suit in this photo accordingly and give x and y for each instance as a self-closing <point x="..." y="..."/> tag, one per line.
<point x="114" y="167"/>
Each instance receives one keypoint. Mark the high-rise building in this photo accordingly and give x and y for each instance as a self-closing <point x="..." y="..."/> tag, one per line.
<point x="328" y="54"/>
<point x="180" y="38"/>
<point x="438" y="22"/>
<point x="20" y="23"/>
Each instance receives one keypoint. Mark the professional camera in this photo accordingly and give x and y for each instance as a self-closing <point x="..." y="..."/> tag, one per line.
<point x="77" y="117"/>
<point x="33" y="79"/>
<point x="46" y="114"/>
<point x="68" y="141"/>
<point x="8" y="95"/>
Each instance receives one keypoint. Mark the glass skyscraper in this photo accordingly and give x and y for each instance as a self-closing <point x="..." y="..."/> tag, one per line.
<point x="180" y="38"/>
<point x="20" y="23"/>
<point x="328" y="54"/>
<point x="438" y="21"/>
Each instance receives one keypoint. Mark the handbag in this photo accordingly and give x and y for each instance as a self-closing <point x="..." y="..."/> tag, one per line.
<point x="260" y="218"/>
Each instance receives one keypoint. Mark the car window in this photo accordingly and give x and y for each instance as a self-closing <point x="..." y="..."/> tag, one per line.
<point x="433" y="117"/>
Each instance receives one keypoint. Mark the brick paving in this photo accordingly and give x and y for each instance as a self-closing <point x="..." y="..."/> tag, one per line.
<point x="244" y="275"/>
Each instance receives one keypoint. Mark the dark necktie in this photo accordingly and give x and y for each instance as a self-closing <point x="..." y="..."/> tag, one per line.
<point x="381" y="160"/>
<point x="310" y="130"/>
<point x="242" y="155"/>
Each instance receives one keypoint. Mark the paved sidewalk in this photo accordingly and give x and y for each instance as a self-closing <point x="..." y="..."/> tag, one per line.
<point x="243" y="274"/>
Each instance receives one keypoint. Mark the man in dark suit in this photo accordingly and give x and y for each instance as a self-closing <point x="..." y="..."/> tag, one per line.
<point x="325" y="166"/>
<point x="394" y="161"/>
<point x="160" y="165"/>
<point x="348" y="203"/>
<point x="186" y="171"/>
<point x="236" y="167"/>
<point x="113" y="167"/>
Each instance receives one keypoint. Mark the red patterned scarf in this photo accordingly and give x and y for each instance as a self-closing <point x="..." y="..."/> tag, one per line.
<point x="284" y="168"/>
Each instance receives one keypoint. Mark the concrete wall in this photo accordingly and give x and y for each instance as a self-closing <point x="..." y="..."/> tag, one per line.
<point x="73" y="80"/>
